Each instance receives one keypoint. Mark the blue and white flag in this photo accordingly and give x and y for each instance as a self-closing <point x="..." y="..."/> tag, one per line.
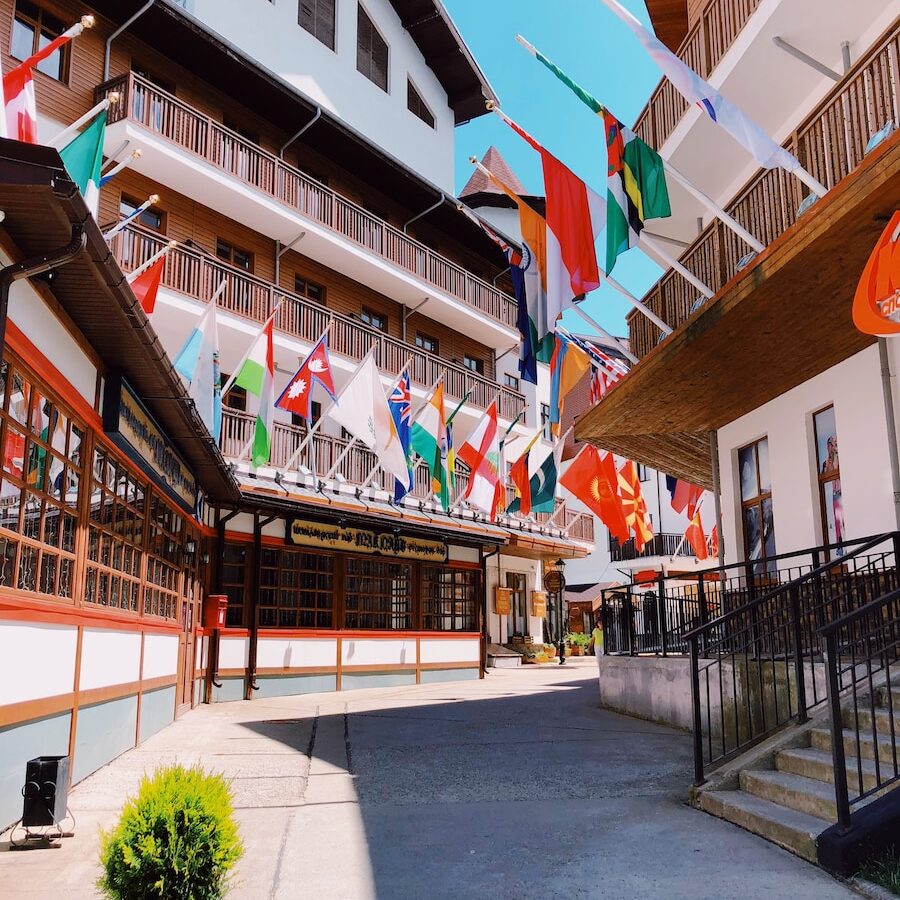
<point x="198" y="363"/>
<point x="400" y="402"/>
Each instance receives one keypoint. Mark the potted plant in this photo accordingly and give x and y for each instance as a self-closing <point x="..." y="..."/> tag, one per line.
<point x="578" y="642"/>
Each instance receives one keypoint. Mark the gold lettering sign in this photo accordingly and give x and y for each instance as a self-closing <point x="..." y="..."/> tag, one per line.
<point x="502" y="598"/>
<point x="539" y="604"/>
<point x="302" y="533"/>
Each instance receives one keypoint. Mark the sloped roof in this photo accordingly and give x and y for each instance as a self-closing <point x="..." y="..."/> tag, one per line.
<point x="479" y="183"/>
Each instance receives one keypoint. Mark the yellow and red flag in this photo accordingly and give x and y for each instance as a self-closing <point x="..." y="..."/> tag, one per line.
<point x="876" y="304"/>
<point x="696" y="538"/>
<point x="634" y="505"/>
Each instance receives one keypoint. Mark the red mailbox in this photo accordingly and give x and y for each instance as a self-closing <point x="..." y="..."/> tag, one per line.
<point x="214" y="610"/>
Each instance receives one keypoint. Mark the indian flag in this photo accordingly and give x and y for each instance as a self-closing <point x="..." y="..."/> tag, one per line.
<point x="428" y="439"/>
<point x="257" y="376"/>
<point x="83" y="158"/>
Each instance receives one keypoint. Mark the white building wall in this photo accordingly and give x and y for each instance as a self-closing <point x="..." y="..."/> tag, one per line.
<point x="271" y="34"/>
<point x="499" y="627"/>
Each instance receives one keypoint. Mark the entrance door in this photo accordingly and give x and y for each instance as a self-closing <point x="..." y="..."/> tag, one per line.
<point x="184" y="688"/>
<point x="518" y="605"/>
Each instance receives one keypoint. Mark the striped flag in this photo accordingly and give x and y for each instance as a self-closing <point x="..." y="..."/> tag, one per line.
<point x="481" y="453"/>
<point x="400" y="400"/>
<point x="567" y="366"/>
<point x="257" y="377"/>
<point x="83" y="159"/>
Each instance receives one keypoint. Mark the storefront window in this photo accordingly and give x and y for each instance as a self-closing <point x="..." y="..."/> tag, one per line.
<point x="234" y="583"/>
<point x="377" y="594"/>
<point x="295" y="589"/>
<point x="449" y="599"/>
<point x="756" y="504"/>
<point x="829" y="476"/>
<point x="518" y="608"/>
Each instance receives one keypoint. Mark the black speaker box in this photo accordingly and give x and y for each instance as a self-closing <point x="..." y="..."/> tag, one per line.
<point x="46" y="790"/>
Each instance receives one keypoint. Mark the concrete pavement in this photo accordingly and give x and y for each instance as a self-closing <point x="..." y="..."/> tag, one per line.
<point x="510" y="787"/>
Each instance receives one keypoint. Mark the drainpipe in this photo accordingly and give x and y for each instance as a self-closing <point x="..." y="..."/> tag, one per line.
<point x="36" y="265"/>
<point x="254" y="603"/>
<point x="124" y="27"/>
<point x="440" y="202"/>
<point x="484" y="607"/>
<point x="301" y="132"/>
<point x="717" y="491"/>
<point x="887" y="390"/>
<point x="212" y="663"/>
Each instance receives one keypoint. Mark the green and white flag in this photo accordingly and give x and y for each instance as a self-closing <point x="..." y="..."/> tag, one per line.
<point x="257" y="377"/>
<point x="83" y="158"/>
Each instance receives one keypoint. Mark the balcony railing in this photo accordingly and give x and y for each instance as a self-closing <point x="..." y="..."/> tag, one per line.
<point x="702" y="49"/>
<point x="830" y="143"/>
<point x="156" y="110"/>
<point x="323" y="451"/>
<point x="197" y="275"/>
<point x="659" y="545"/>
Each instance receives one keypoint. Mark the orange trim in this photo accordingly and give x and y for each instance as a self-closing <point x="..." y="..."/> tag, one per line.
<point x="376" y="635"/>
<point x="47" y="612"/>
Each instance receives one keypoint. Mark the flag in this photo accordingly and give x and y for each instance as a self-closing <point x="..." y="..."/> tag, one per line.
<point x="575" y="216"/>
<point x="83" y="158"/>
<point x="198" y="363"/>
<point x="481" y="453"/>
<point x="145" y="286"/>
<point x="592" y="478"/>
<point x="18" y="91"/>
<point x="257" y="376"/>
<point x="400" y="400"/>
<point x="428" y="439"/>
<point x="451" y="453"/>
<point x="634" y="505"/>
<point x="316" y="368"/>
<point x="567" y="366"/>
<point x="714" y="541"/>
<point x="362" y="409"/>
<point x="636" y="180"/>
<point x="685" y="495"/>
<point x="521" y="479"/>
<point x="695" y="90"/>
<point x="695" y="536"/>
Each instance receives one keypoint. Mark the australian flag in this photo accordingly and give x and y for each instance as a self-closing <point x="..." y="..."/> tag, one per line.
<point x="401" y="412"/>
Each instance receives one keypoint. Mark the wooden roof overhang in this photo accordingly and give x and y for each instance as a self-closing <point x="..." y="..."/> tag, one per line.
<point x="539" y="546"/>
<point x="670" y="21"/>
<point x="779" y="322"/>
<point x="40" y="206"/>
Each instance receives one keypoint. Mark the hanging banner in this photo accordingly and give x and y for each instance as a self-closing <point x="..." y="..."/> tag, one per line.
<point x="502" y="598"/>
<point x="539" y="604"/>
<point x="876" y="304"/>
<point x="303" y="533"/>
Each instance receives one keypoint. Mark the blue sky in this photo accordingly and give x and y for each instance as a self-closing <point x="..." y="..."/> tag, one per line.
<point x="586" y="40"/>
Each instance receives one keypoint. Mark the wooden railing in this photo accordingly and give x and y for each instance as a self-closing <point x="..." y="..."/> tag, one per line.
<point x="323" y="451"/>
<point x="147" y="105"/>
<point x="702" y="49"/>
<point x="197" y="275"/>
<point x="830" y="143"/>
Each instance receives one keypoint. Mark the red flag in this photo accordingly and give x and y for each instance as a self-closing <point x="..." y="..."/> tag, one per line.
<point x="146" y="286"/>
<point x="519" y="476"/>
<point x="685" y="496"/>
<point x="296" y="396"/>
<point x="481" y="453"/>
<point x="593" y="479"/>
<point x="714" y="541"/>
<point x="636" y="514"/>
<point x="696" y="538"/>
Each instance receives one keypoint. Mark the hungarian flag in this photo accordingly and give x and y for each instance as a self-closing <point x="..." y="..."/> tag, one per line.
<point x="316" y="368"/>
<point x="567" y="366"/>
<point x="541" y="486"/>
<point x="592" y="478"/>
<point x="481" y="453"/>
<point x="400" y="402"/>
<point x="634" y="505"/>
<point x="83" y="158"/>
<point x="145" y="286"/>
<point x="428" y="439"/>
<point x="257" y="377"/>
<point x="18" y="89"/>
<point x="685" y="496"/>
<point x="696" y="538"/>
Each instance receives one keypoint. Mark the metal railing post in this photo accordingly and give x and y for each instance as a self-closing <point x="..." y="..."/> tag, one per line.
<point x="838" y="757"/>
<point x="629" y="621"/>
<point x="697" y="718"/>
<point x="661" y="613"/>
<point x="800" y="673"/>
<point x="704" y="609"/>
<point x="604" y="622"/>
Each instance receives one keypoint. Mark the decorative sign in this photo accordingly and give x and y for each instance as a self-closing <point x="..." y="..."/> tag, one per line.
<point x="502" y="600"/>
<point x="876" y="304"/>
<point x="134" y="431"/>
<point x="554" y="581"/>
<point x="303" y="533"/>
<point x="539" y="604"/>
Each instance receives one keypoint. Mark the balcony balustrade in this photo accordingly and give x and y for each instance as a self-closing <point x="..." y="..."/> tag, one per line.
<point x="197" y="275"/>
<point x="152" y="108"/>
<point x="662" y="544"/>
<point x="323" y="451"/>
<point x="829" y="143"/>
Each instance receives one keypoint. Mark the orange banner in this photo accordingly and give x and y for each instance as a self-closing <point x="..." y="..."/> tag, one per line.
<point x="876" y="305"/>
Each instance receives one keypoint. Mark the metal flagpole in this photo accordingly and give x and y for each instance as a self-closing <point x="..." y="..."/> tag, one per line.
<point x="237" y="369"/>
<point x="146" y="265"/>
<point x="136" y="155"/>
<point x="597" y="363"/>
<point x="604" y="333"/>
<point x="684" y="536"/>
<point x="153" y="198"/>
<point x="559" y="443"/>
<point x="71" y="131"/>
<point x="673" y="263"/>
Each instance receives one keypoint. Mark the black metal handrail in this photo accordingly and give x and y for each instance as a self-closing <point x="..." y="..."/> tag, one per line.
<point x="861" y="647"/>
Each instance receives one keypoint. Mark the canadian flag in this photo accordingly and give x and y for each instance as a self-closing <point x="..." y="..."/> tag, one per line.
<point x="295" y="398"/>
<point x="18" y="88"/>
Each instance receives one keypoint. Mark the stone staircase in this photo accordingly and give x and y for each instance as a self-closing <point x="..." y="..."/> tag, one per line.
<point x="793" y="802"/>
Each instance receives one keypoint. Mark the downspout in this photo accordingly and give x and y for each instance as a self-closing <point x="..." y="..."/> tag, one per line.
<point x="440" y="202"/>
<point x="124" y="27"/>
<point x="484" y="606"/>
<point x="254" y="602"/>
<point x="301" y="132"/>
<point x="717" y="491"/>
<point x="890" y="417"/>
<point x="218" y="568"/>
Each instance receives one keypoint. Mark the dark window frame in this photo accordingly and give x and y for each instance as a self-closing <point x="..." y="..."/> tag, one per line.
<point x="42" y="24"/>
<point x="369" y="315"/>
<point x="370" y="45"/>
<point x="416" y="104"/>
<point x="317" y="20"/>
<point x="306" y="287"/>
<point x="231" y="254"/>
<point x="129" y="201"/>
<point x="757" y="503"/>
<point x="423" y="339"/>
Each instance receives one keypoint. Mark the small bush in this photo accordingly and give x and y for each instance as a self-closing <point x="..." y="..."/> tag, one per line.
<point x="884" y="872"/>
<point x="176" y="840"/>
<point x="576" y="639"/>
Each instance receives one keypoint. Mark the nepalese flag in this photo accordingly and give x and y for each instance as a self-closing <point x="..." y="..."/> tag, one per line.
<point x="567" y="366"/>
<point x="695" y="90"/>
<point x="315" y="369"/>
<point x="400" y="402"/>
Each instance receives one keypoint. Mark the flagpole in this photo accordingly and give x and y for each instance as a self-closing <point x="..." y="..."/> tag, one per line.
<point x="684" y="536"/>
<point x="135" y="155"/>
<point x="150" y="201"/>
<point x="673" y="263"/>
<point x="596" y="363"/>
<point x="604" y="333"/>
<point x="72" y="130"/>
<point x="237" y="369"/>
<point x="146" y="265"/>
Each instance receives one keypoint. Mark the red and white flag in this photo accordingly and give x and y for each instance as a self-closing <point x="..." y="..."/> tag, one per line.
<point x="18" y="88"/>
<point x="296" y="396"/>
<point x="145" y="286"/>
<point x="481" y="453"/>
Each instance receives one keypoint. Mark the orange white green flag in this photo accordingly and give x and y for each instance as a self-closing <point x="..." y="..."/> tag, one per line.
<point x="257" y="377"/>
<point x="481" y="453"/>
<point x="428" y="439"/>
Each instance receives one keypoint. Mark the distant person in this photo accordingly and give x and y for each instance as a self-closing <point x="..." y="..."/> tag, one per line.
<point x="596" y="645"/>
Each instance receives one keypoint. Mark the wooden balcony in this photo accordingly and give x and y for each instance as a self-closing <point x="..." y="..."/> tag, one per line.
<point x="830" y="143"/>
<point x="197" y="275"/>
<point x="151" y="108"/>
<point x="323" y="451"/>
<point x="702" y="49"/>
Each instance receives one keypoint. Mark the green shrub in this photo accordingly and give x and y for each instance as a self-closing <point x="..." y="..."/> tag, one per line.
<point x="884" y="871"/>
<point x="576" y="639"/>
<point x="176" y="840"/>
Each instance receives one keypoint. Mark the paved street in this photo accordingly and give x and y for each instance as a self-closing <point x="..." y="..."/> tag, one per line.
<point x="514" y="786"/>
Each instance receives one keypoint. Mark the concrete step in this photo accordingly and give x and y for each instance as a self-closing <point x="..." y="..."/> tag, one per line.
<point x="805" y="795"/>
<point x="812" y="763"/>
<point x="882" y="697"/>
<point x="882" y="720"/>
<point x="820" y="739"/>
<point x="793" y="830"/>
<point x="512" y="661"/>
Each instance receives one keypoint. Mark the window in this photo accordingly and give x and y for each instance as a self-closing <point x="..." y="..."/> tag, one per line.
<point x="164" y="559"/>
<point x="511" y="381"/>
<point x="643" y="472"/>
<point x="33" y="29"/>
<point x="518" y="605"/>
<point x="416" y="105"/>
<point x="315" y="412"/>
<point x="426" y="342"/>
<point x="375" y="319"/>
<point x="242" y="259"/>
<point x="295" y="589"/>
<point x="546" y="426"/>
<point x="371" y="51"/>
<point x="828" y="470"/>
<point x="234" y="582"/>
<point x="377" y="594"/>
<point x="309" y="289"/>
<point x="149" y="218"/>
<point x="473" y="364"/>
<point x="756" y="503"/>
<point x="317" y="17"/>
<point x="449" y="599"/>
<point x="236" y="398"/>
